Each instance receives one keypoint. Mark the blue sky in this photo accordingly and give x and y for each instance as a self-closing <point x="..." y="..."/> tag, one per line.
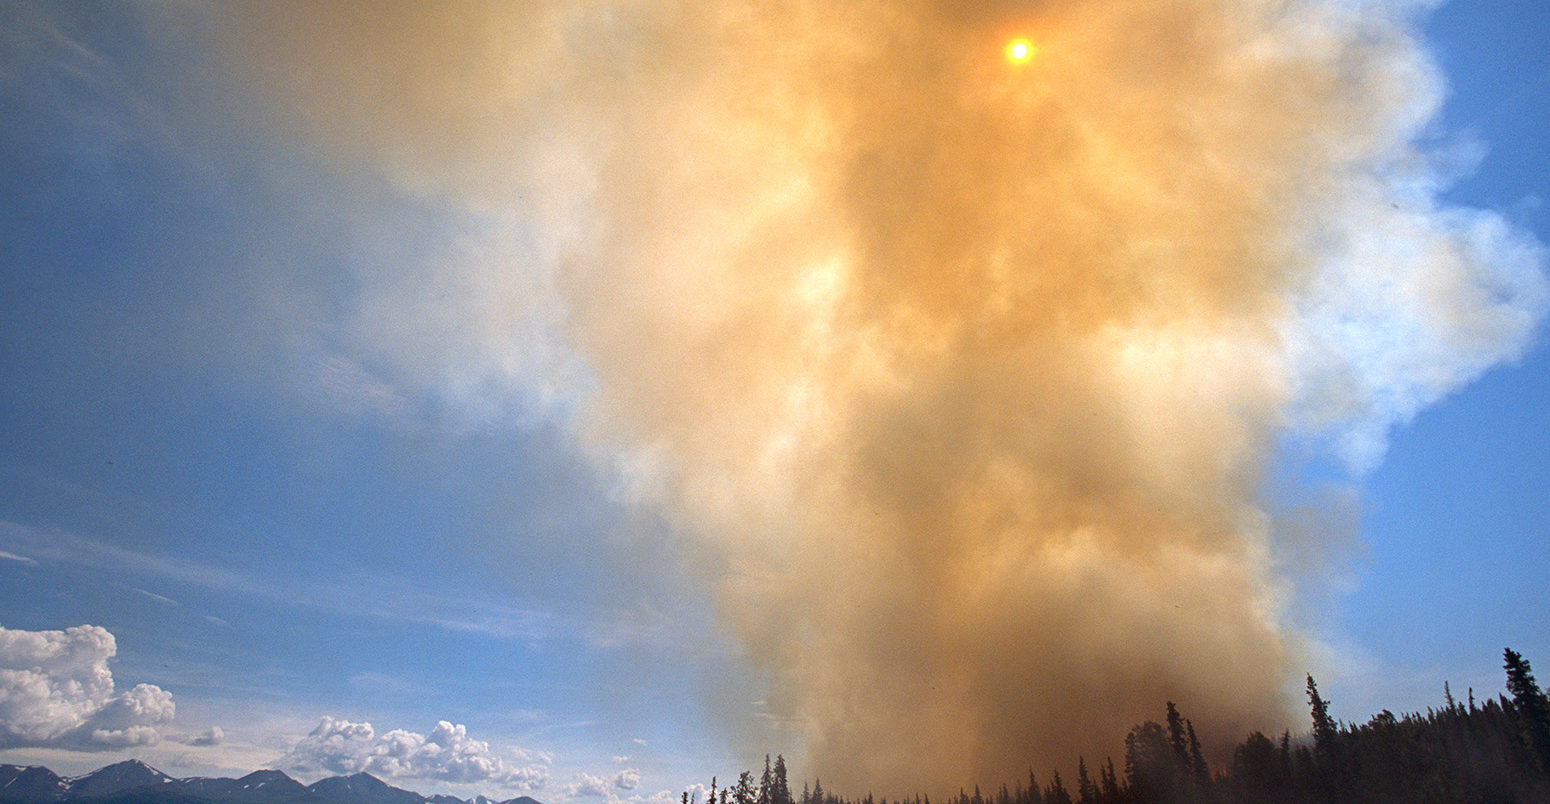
<point x="211" y="448"/>
<point x="1452" y="529"/>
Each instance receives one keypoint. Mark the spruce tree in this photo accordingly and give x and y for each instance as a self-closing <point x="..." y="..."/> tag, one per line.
<point x="1197" y="759"/>
<point x="1176" y="735"/>
<point x="1110" y="782"/>
<point x="1284" y="759"/>
<point x="781" y="793"/>
<point x="1323" y="725"/>
<point x="1530" y="703"/>
<point x="1326" y="748"/>
<point x="1056" y="792"/>
<point x="744" y="792"/>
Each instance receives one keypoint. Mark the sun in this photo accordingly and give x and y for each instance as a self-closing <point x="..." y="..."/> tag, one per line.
<point x="1020" y="51"/>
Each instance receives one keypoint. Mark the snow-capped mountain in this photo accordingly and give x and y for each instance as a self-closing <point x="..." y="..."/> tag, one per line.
<point x="363" y="788"/>
<point x="31" y="783"/>
<point x="127" y="775"/>
<point x="134" y="782"/>
<point x="258" y="787"/>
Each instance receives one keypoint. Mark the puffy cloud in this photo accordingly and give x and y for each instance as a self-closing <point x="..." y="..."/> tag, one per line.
<point x="56" y="690"/>
<point x="211" y="736"/>
<point x="588" y="786"/>
<point x="447" y="754"/>
<point x="627" y="779"/>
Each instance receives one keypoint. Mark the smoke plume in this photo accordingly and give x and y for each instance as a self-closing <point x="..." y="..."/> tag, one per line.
<point x="967" y="370"/>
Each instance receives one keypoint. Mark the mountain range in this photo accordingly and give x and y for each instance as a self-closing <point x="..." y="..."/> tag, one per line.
<point x="134" y="782"/>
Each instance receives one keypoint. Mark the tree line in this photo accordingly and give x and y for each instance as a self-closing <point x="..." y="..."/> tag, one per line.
<point x="1496" y="750"/>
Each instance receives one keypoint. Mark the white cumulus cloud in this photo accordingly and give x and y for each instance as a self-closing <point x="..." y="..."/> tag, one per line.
<point x="447" y="754"/>
<point x="588" y="786"/>
<point x="211" y="736"/>
<point x="627" y="779"/>
<point x="56" y="690"/>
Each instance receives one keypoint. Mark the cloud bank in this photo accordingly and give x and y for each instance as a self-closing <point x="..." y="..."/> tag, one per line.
<point x="447" y="754"/>
<point x="56" y="691"/>
<point x="966" y="373"/>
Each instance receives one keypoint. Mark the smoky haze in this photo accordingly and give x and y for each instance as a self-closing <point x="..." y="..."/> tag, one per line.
<point x="967" y="372"/>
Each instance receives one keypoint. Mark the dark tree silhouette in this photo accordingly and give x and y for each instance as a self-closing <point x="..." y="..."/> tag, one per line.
<point x="1176" y="734"/>
<point x="745" y="792"/>
<point x="1056" y="792"/>
<point x="1530" y="703"/>
<point x="1324" y="727"/>
<point x="781" y="792"/>
<point x="1109" y="783"/>
<point x="1327" y="770"/>
<point x="1086" y="791"/>
<point x="1197" y="758"/>
<point x="1492" y="750"/>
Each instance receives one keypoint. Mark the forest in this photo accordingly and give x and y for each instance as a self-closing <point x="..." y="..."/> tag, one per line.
<point x="1496" y="750"/>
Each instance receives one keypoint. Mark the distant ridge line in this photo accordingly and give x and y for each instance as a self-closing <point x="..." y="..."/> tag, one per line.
<point x="134" y="782"/>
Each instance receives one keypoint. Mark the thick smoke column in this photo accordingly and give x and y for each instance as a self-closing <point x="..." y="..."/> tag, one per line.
<point x="969" y="371"/>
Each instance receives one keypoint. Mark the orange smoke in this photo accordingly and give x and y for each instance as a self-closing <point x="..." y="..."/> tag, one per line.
<point x="968" y="370"/>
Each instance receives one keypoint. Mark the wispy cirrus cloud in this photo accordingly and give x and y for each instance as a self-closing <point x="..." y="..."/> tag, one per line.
<point x="61" y="547"/>
<point x="359" y="595"/>
<point x="153" y="596"/>
<point x="5" y="556"/>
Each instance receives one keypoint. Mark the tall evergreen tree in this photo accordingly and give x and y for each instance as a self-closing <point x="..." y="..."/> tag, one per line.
<point x="1324" y="730"/>
<point x="781" y="793"/>
<point x="1254" y="765"/>
<point x="745" y="792"/>
<point x="1086" y="791"/>
<point x="1284" y="759"/>
<point x="1056" y="793"/>
<point x="1530" y="703"/>
<point x="1197" y="759"/>
<point x="766" y="782"/>
<point x="1151" y="766"/>
<point x="1328" y="764"/>
<point x="1110" y="783"/>
<point x="1176" y="735"/>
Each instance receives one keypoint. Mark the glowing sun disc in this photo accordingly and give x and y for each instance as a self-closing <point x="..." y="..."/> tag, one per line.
<point x="1019" y="51"/>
